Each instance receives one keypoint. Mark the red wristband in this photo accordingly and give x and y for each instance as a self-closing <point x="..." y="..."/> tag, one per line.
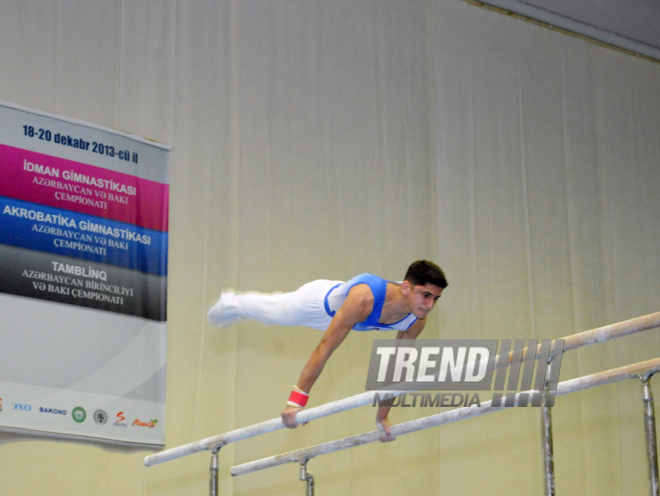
<point x="298" y="398"/>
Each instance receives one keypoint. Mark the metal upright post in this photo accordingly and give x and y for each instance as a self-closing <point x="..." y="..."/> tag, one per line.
<point x="307" y="477"/>
<point x="549" y="390"/>
<point x="548" y="453"/>
<point x="651" y="440"/>
<point x="213" y="482"/>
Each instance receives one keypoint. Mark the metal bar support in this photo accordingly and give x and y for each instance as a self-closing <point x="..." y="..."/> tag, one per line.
<point x="214" y="468"/>
<point x="548" y="452"/>
<point x="307" y="477"/>
<point x="651" y="439"/>
<point x="547" y="401"/>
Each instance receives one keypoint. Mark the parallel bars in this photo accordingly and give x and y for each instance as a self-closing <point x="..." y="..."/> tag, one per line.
<point x="566" y="387"/>
<point x="574" y="341"/>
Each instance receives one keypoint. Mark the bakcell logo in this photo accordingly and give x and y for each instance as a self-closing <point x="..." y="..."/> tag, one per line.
<point x="120" y="420"/>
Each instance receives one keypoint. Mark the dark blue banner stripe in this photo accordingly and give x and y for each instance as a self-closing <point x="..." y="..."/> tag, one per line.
<point x="61" y="232"/>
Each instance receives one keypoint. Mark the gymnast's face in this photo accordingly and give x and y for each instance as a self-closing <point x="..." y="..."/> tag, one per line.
<point x="422" y="299"/>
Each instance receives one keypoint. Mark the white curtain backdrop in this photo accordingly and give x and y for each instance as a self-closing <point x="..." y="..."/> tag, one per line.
<point x="324" y="138"/>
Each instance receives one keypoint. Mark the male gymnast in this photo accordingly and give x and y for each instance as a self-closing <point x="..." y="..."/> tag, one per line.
<point x="364" y="303"/>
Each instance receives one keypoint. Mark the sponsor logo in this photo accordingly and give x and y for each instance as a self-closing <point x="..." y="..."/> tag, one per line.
<point x="151" y="424"/>
<point x="79" y="414"/>
<point x="120" y="420"/>
<point x="100" y="417"/>
<point x="0" y="404"/>
<point x="465" y="365"/>
<point x="21" y="407"/>
<point x="52" y="411"/>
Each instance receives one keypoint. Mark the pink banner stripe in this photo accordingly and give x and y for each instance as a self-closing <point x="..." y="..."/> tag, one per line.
<point x="69" y="185"/>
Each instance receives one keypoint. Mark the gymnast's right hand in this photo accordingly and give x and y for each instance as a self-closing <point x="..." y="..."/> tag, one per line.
<point x="289" y="416"/>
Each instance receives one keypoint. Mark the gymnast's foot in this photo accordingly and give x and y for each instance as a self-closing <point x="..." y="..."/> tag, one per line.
<point x="223" y="312"/>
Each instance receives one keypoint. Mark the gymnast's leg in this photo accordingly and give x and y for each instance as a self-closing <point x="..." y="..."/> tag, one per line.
<point x="304" y="306"/>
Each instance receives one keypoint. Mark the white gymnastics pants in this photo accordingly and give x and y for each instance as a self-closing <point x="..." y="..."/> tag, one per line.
<point x="305" y="306"/>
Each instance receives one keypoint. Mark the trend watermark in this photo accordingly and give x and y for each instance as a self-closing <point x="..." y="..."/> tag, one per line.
<point x="519" y="375"/>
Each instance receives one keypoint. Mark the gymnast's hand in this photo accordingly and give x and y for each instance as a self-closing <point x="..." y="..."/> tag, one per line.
<point x="384" y="426"/>
<point x="289" y="417"/>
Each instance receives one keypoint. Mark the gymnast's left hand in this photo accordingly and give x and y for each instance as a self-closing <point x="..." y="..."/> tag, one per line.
<point x="289" y="416"/>
<point x="384" y="426"/>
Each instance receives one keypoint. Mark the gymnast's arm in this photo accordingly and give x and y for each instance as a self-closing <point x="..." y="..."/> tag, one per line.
<point x="356" y="308"/>
<point x="382" y="421"/>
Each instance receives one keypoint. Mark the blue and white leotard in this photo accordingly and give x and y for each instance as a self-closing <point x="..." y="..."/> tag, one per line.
<point x="336" y="296"/>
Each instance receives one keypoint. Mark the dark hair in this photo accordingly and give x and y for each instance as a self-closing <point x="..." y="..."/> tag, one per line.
<point x="423" y="272"/>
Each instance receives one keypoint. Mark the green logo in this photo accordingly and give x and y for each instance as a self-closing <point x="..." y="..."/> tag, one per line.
<point x="79" y="414"/>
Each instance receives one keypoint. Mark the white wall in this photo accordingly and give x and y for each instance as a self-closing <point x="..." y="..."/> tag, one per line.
<point x="327" y="138"/>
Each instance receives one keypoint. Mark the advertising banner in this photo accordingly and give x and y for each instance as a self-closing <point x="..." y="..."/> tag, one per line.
<point x="83" y="289"/>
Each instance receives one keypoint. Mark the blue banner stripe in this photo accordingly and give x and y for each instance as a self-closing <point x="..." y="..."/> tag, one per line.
<point x="61" y="232"/>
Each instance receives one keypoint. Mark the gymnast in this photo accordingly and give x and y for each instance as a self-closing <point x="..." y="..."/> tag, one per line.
<point x="364" y="303"/>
